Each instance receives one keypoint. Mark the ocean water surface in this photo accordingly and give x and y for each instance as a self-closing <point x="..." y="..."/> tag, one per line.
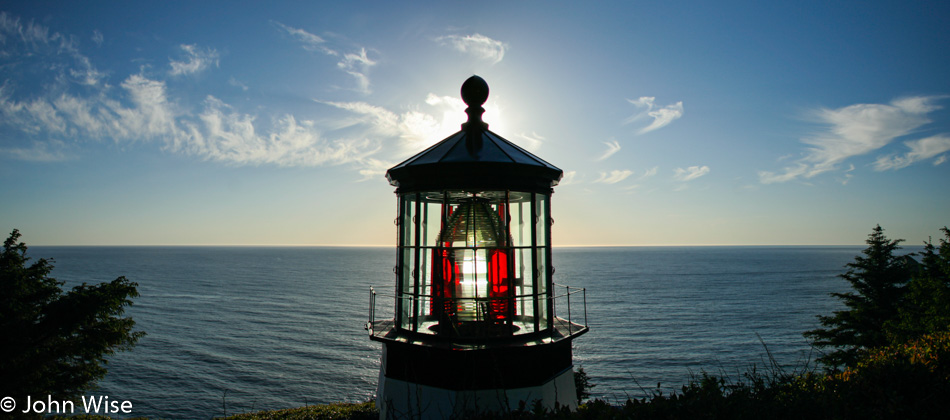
<point x="240" y="329"/>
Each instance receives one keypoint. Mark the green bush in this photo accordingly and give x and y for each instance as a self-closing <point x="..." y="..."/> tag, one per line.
<point x="361" y="411"/>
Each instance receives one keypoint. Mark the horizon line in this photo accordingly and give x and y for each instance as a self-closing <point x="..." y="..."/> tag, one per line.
<point x="394" y="246"/>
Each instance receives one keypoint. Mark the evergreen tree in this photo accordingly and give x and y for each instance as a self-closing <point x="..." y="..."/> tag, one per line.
<point x="926" y="305"/>
<point x="54" y="343"/>
<point x="877" y="280"/>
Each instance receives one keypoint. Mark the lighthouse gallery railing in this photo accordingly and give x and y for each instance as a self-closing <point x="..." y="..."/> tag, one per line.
<point x="570" y="307"/>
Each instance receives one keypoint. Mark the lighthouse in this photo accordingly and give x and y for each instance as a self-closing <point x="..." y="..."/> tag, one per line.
<point x="478" y="325"/>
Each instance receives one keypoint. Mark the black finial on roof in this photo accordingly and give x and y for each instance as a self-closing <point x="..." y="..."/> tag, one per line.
<point x="475" y="93"/>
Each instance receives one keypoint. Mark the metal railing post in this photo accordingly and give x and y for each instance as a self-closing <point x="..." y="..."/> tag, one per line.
<point x="570" y="323"/>
<point x="372" y="309"/>
<point x="585" y="306"/>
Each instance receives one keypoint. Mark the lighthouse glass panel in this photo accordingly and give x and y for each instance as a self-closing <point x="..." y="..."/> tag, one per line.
<point x="473" y="263"/>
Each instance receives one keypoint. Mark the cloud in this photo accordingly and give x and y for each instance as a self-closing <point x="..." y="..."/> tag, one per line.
<point x="356" y="60"/>
<point x="54" y="119"/>
<point x="690" y="173"/>
<point x="404" y="133"/>
<point x="857" y="130"/>
<point x="40" y="151"/>
<point x="373" y="169"/>
<point x="32" y="34"/>
<point x="399" y="135"/>
<point x="309" y="41"/>
<point x="612" y="147"/>
<point x="358" y="65"/>
<point x="31" y="116"/>
<point x="383" y="120"/>
<point x="661" y="116"/>
<point x="650" y="172"/>
<point x="922" y="149"/>
<point x="222" y="134"/>
<point x="477" y="45"/>
<point x="230" y="136"/>
<point x="613" y="177"/>
<point x="569" y="177"/>
<point x="847" y="176"/>
<point x="196" y="60"/>
<point x="414" y="129"/>
<point x="97" y="37"/>
<point x="153" y="115"/>
<point x="142" y="110"/>
<point x="645" y="102"/>
<point x="454" y="103"/>
<point x="145" y="112"/>
<point x="237" y="83"/>
<point x="531" y="142"/>
<point x="86" y="74"/>
<point x="37" y="46"/>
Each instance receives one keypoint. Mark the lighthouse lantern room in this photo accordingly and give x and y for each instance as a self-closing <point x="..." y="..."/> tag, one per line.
<point x="476" y="323"/>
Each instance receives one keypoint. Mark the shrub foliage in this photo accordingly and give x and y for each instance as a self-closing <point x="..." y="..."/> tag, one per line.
<point x="55" y="343"/>
<point x="877" y="279"/>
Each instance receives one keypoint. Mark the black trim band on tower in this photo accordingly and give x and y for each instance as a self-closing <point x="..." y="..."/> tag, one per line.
<point x="466" y="370"/>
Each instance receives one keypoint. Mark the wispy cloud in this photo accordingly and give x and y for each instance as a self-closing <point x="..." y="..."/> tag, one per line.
<point x="51" y="122"/>
<point x="612" y="147"/>
<point x="454" y="104"/>
<point x="94" y="117"/>
<point x="87" y="74"/>
<point x="237" y="83"/>
<point x="195" y="60"/>
<point x="144" y="113"/>
<point x="860" y="129"/>
<point x="414" y="129"/>
<point x="922" y="149"/>
<point x="531" y="142"/>
<point x="662" y="116"/>
<point x="690" y="173"/>
<point x="308" y="41"/>
<point x="40" y="151"/>
<point x="230" y="136"/>
<point x="49" y="50"/>
<point x="153" y="115"/>
<point x="848" y="176"/>
<point x="356" y="64"/>
<point x="569" y="178"/>
<point x="476" y="45"/>
<point x="33" y="34"/>
<point x="373" y="168"/>
<point x="97" y="37"/>
<point x="650" y="172"/>
<point x="614" y="176"/>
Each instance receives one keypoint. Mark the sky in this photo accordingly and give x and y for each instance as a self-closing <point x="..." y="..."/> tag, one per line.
<point x="273" y="123"/>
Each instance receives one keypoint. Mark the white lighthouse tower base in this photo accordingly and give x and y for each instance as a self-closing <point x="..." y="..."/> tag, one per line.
<point x="397" y="399"/>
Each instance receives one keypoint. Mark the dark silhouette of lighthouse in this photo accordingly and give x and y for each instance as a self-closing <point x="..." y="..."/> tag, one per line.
<point x="476" y="325"/>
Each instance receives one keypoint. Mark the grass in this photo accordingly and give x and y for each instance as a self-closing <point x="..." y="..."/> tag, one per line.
<point x="360" y="411"/>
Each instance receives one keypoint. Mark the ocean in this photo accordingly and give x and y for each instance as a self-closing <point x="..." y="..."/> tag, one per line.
<point x="241" y="329"/>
